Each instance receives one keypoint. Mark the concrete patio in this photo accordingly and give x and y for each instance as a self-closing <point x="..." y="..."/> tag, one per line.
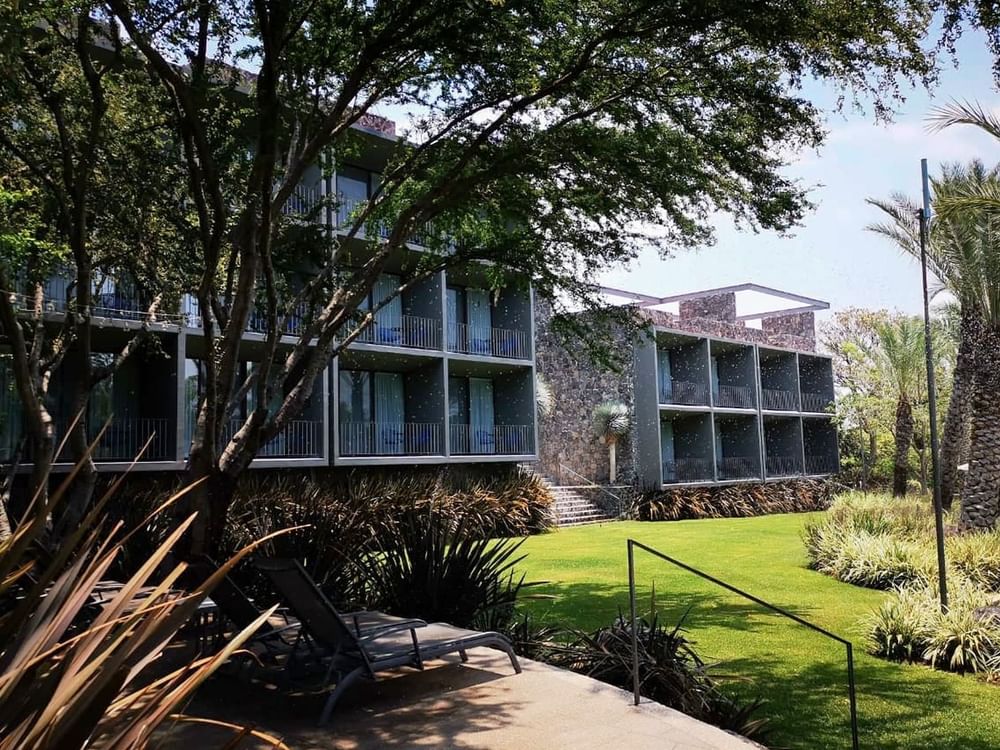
<point x="480" y="705"/>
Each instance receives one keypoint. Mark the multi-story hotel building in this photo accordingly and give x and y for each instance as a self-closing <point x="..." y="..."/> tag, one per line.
<point x="444" y="374"/>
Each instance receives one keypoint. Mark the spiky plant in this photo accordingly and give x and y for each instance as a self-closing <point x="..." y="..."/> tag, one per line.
<point x="611" y="424"/>
<point x="545" y="397"/>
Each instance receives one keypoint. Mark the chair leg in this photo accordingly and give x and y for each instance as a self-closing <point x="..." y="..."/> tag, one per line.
<point x="342" y="685"/>
<point x="463" y="655"/>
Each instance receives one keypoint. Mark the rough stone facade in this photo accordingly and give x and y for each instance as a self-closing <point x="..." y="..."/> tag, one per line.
<point x="714" y="307"/>
<point x="799" y="326"/>
<point x="736" y="331"/>
<point x="566" y="437"/>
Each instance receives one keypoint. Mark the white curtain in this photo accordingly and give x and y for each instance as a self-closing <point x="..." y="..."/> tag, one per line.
<point x="482" y="436"/>
<point x="389" y="412"/>
<point x="388" y="320"/>
<point x="480" y="320"/>
<point x="667" y="441"/>
<point x="715" y="377"/>
<point x="453" y="318"/>
<point x="666" y="380"/>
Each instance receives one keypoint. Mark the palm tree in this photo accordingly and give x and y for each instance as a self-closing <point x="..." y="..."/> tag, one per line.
<point x="611" y="424"/>
<point x="973" y="208"/>
<point x="948" y="247"/>
<point x="900" y="357"/>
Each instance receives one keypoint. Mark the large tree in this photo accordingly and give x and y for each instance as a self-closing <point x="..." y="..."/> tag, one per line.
<point x="951" y="241"/>
<point x="543" y="137"/>
<point x="88" y="142"/>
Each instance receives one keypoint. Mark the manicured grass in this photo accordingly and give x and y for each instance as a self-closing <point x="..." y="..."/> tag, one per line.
<point x="800" y="674"/>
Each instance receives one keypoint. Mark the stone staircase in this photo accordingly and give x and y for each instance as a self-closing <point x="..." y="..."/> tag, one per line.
<point x="573" y="508"/>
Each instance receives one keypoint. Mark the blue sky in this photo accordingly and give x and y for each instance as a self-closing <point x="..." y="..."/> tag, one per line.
<point x="830" y="255"/>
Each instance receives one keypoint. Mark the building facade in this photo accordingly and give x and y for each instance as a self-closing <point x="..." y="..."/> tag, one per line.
<point x="712" y="400"/>
<point x="444" y="374"/>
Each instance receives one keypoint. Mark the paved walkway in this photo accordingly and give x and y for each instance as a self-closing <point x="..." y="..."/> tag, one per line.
<point x="481" y="705"/>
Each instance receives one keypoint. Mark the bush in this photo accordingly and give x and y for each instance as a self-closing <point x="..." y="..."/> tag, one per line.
<point x="671" y="672"/>
<point x="869" y="560"/>
<point x="977" y="557"/>
<point x="900" y="628"/>
<point x="732" y="501"/>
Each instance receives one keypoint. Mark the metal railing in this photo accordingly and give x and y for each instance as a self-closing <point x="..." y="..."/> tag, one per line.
<point x="632" y="545"/>
<point x="258" y="321"/>
<point x="778" y="400"/>
<point x="407" y="330"/>
<point x="684" y="392"/>
<point x="497" y="440"/>
<point x="494" y="342"/>
<point x="734" y="396"/>
<point x="390" y="439"/>
<point x="815" y="402"/>
<point x="737" y="467"/>
<point x="302" y="202"/>
<point x="124" y="438"/>
<point x="348" y="209"/>
<point x="821" y="464"/>
<point x="687" y="470"/>
<point x="591" y="484"/>
<point x="782" y="466"/>
<point x="302" y="438"/>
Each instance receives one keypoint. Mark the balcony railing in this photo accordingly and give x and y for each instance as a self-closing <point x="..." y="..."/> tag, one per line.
<point x="821" y="464"/>
<point x="256" y="323"/>
<point x="302" y="202"/>
<point x="737" y="467"/>
<point x="498" y="440"/>
<point x="301" y="438"/>
<point x="390" y="439"/>
<point x="348" y="209"/>
<point x="783" y="466"/>
<point x="124" y="438"/>
<point x="410" y="331"/>
<point x="734" y="396"/>
<point x="493" y="342"/>
<point x="684" y="392"/>
<point x="687" y="470"/>
<point x="778" y="400"/>
<point x="815" y="402"/>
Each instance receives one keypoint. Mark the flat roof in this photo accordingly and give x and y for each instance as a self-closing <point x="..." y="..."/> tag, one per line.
<point x="803" y="303"/>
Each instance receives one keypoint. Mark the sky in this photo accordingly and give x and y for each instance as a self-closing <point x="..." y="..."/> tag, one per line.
<point x="831" y="256"/>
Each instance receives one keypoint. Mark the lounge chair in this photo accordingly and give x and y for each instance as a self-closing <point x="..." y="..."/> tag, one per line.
<point x="352" y="657"/>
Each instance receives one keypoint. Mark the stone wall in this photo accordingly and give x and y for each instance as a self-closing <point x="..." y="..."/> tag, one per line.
<point x="713" y="307"/>
<point x="566" y="437"/>
<point x="736" y="331"/>
<point x="797" y="326"/>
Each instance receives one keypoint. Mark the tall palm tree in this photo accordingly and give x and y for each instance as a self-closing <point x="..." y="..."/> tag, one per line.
<point x="975" y="204"/>
<point x="951" y="241"/>
<point x="900" y="356"/>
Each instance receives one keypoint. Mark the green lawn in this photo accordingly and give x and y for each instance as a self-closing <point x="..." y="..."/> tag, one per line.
<point x="801" y="675"/>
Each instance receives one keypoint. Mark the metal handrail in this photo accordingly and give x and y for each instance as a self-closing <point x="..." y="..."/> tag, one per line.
<point x="632" y="544"/>
<point x="592" y="484"/>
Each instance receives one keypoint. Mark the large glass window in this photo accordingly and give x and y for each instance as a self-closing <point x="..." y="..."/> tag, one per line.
<point x="356" y="396"/>
<point x="458" y="400"/>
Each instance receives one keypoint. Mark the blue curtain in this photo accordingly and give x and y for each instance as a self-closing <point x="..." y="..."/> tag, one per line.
<point x="666" y="380"/>
<point x="388" y="320"/>
<point x="389" y="412"/>
<point x="481" y="420"/>
<point x="715" y="378"/>
<point x="480" y="320"/>
<point x="454" y="317"/>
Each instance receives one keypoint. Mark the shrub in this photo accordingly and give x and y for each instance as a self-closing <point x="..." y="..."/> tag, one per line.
<point x="732" y="501"/>
<point x="977" y="557"/>
<point x="900" y="628"/>
<point x="671" y="672"/>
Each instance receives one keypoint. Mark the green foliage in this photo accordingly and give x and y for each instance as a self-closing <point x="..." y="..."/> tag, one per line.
<point x="428" y="568"/>
<point x="734" y="501"/>
<point x="671" y="672"/>
<point x="611" y="421"/>
<point x="976" y="556"/>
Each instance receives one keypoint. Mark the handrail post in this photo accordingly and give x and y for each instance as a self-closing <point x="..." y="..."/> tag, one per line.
<point x="635" y="623"/>
<point x="852" y="696"/>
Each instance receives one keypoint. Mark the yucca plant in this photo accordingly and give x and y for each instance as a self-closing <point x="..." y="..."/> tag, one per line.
<point x="73" y="673"/>
<point x="611" y="424"/>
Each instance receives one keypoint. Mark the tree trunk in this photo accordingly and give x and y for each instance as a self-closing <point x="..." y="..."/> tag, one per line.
<point x="904" y="436"/>
<point x="981" y="492"/>
<point x="957" y="416"/>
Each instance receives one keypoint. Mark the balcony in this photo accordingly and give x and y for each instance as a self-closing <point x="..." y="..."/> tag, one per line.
<point x="683" y="392"/>
<point x="303" y="202"/>
<point x="124" y="438"/>
<point x="734" y="397"/>
<point x="490" y="342"/>
<point x="815" y="402"/>
<point x="687" y="470"/>
<point x="412" y="331"/>
<point x="498" y="440"/>
<point x="821" y="465"/>
<point x="349" y="208"/>
<point x="359" y="439"/>
<point x="783" y="466"/>
<point x="299" y="439"/>
<point x="737" y="467"/>
<point x="778" y="400"/>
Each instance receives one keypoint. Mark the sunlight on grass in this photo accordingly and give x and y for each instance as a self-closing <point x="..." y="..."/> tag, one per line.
<point x="800" y="674"/>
